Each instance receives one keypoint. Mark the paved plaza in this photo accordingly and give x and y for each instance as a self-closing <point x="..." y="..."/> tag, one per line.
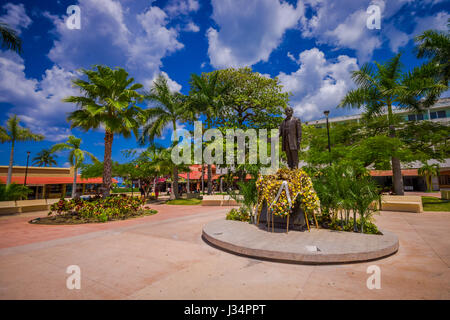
<point x="164" y="257"/>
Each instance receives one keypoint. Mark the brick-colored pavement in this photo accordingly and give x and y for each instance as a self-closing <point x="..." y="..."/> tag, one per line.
<point x="163" y="257"/>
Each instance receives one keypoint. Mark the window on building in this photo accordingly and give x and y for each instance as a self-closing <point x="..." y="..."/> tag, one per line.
<point x="415" y="117"/>
<point x="438" y="114"/>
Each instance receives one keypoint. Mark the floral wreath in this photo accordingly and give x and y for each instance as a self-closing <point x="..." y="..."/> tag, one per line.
<point x="272" y="189"/>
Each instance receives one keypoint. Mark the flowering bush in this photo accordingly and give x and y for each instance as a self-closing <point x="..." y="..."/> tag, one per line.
<point x="102" y="209"/>
<point x="300" y="189"/>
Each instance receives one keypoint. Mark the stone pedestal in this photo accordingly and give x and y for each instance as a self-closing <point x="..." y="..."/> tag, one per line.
<point x="296" y="219"/>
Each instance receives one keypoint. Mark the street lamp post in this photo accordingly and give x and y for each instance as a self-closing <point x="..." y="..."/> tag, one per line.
<point x="326" y="113"/>
<point x="26" y="169"/>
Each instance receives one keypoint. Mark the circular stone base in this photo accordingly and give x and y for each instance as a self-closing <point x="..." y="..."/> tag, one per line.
<point x="319" y="246"/>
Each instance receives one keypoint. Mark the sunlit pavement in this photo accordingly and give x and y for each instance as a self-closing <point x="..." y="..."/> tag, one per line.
<point x="163" y="257"/>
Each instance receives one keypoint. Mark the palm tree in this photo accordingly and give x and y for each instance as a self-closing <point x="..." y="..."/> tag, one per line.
<point x="206" y="97"/>
<point x="10" y="38"/>
<point x="388" y="86"/>
<point x="76" y="156"/>
<point x="14" y="132"/>
<point x="169" y="108"/>
<point x="108" y="101"/>
<point x="428" y="171"/>
<point x="44" y="158"/>
<point x="435" y="46"/>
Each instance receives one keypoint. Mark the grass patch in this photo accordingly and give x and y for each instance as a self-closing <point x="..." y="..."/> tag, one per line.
<point x="186" y="202"/>
<point x="435" y="204"/>
<point x="71" y="219"/>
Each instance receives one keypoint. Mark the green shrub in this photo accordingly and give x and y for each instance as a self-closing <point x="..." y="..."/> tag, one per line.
<point x="241" y="214"/>
<point x="14" y="192"/>
<point x="340" y="225"/>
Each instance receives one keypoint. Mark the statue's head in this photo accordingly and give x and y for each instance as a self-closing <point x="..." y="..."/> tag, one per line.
<point x="289" y="112"/>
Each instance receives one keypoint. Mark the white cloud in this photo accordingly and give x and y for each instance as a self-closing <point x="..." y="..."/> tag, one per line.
<point x="248" y="31"/>
<point x="398" y="39"/>
<point x="129" y="35"/>
<point x="182" y="7"/>
<point x="192" y="27"/>
<point x="37" y="103"/>
<point x="16" y="17"/>
<point x="116" y="36"/>
<point x="343" y="24"/>
<point x="173" y="85"/>
<point x="318" y="84"/>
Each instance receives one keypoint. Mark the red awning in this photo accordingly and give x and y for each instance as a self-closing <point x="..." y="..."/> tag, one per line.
<point x="388" y="173"/>
<point x="54" y="180"/>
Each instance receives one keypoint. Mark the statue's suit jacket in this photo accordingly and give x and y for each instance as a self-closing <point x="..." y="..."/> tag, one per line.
<point x="294" y="134"/>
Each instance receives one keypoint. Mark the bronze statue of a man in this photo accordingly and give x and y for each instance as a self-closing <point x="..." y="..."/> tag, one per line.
<point x="291" y="135"/>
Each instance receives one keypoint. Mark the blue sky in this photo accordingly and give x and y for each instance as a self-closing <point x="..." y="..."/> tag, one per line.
<point x="311" y="45"/>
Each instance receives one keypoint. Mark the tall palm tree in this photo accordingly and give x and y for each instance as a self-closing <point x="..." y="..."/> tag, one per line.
<point x="76" y="156"/>
<point x="388" y="86"/>
<point x="108" y="100"/>
<point x="207" y="98"/>
<point x="428" y="171"/>
<point x="169" y="108"/>
<point x="435" y="46"/>
<point x="10" y="38"/>
<point x="44" y="158"/>
<point x="14" y="132"/>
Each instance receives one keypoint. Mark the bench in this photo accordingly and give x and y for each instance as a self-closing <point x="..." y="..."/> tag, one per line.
<point x="401" y="203"/>
<point x="32" y="205"/>
<point x="8" y="207"/>
<point x="219" y="200"/>
<point x="19" y="206"/>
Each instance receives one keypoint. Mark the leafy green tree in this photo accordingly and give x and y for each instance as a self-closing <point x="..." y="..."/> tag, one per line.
<point x="108" y="100"/>
<point x="435" y="46"/>
<point x="428" y="171"/>
<point x="206" y="97"/>
<point x="251" y="99"/>
<point x="10" y="38"/>
<point x="13" y="132"/>
<point x="95" y="169"/>
<point x="76" y="156"/>
<point x="168" y="108"/>
<point x="44" y="158"/>
<point x="426" y="140"/>
<point x="388" y="86"/>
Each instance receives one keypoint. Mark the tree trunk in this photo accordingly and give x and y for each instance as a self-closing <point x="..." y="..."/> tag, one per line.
<point x="74" y="185"/>
<point x="188" y="189"/>
<point x="396" y="167"/>
<point x="203" y="179"/>
<point x="397" y="176"/>
<point x="175" y="194"/>
<point x="11" y="160"/>
<point x="209" y="179"/>
<point x="107" y="165"/>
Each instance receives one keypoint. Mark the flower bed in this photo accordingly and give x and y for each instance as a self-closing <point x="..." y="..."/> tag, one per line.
<point x="98" y="210"/>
